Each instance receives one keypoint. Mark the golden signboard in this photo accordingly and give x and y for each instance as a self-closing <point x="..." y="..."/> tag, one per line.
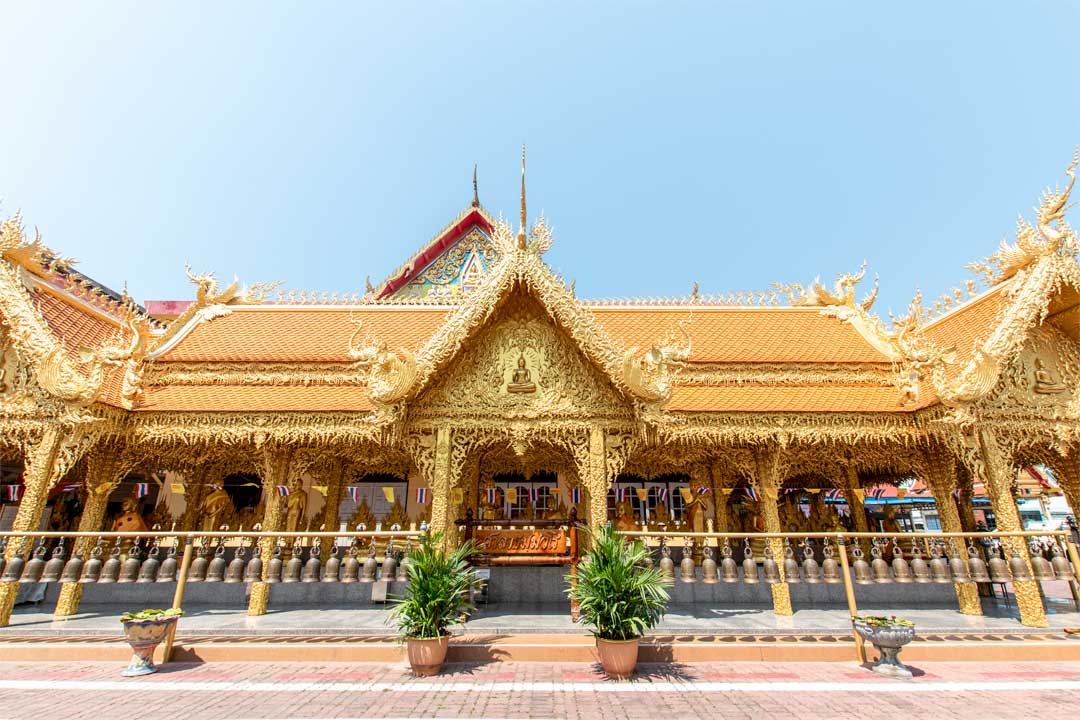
<point x="521" y="542"/>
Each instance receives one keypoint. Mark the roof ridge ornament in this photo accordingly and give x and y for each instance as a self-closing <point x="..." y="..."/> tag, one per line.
<point x="475" y="188"/>
<point x="521" y="228"/>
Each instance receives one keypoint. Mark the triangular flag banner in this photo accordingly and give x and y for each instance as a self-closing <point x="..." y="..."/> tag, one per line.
<point x="421" y="495"/>
<point x="388" y="493"/>
<point x="702" y="490"/>
<point x="177" y="488"/>
<point x="250" y="485"/>
<point x="283" y="490"/>
<point x="642" y="494"/>
<point x="354" y="493"/>
<point x="901" y="493"/>
<point x="457" y="496"/>
<point x="687" y="494"/>
<point x="772" y="493"/>
<point x="860" y="494"/>
<point x="511" y="495"/>
<point x="323" y="490"/>
<point x="14" y="492"/>
<point x="661" y="493"/>
<point x="491" y="496"/>
<point x="575" y="495"/>
<point x="142" y="490"/>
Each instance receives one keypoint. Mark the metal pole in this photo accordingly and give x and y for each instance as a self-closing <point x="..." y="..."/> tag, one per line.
<point x="178" y="596"/>
<point x="853" y="610"/>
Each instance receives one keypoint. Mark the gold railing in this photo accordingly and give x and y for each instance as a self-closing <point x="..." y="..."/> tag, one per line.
<point x="823" y="557"/>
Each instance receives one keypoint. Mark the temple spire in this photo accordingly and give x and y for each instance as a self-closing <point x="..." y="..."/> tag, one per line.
<point x="475" y="189"/>
<point x="521" y="232"/>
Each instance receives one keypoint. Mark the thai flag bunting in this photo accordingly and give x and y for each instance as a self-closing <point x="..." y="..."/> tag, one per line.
<point x="283" y="491"/>
<point x="354" y="494"/>
<point x="956" y="494"/>
<point x="620" y="494"/>
<point x="833" y="495"/>
<point x="661" y="493"/>
<point x="752" y="494"/>
<point x="877" y="493"/>
<point x="702" y="490"/>
<point x="421" y="495"/>
<point x="142" y="490"/>
<point x="14" y="492"/>
<point x="215" y="486"/>
<point x="69" y="488"/>
<point x="534" y="494"/>
<point x="491" y="495"/>
<point x="575" y="495"/>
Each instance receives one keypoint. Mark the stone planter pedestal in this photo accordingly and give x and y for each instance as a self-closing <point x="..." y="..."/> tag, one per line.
<point x="888" y="641"/>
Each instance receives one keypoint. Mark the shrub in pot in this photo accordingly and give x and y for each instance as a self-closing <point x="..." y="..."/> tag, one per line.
<point x="436" y="597"/>
<point x="144" y="631"/>
<point x="620" y="595"/>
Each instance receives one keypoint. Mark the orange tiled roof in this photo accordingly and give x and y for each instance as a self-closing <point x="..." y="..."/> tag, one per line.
<point x="732" y="334"/>
<point x="227" y="398"/>
<point x="967" y="326"/>
<point x="743" y="398"/>
<point x="302" y="334"/>
<point x="76" y="328"/>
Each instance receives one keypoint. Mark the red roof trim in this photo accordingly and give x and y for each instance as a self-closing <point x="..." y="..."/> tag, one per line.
<point x="435" y="248"/>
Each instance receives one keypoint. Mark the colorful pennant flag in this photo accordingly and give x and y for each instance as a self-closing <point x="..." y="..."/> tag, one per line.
<point x="752" y="494"/>
<point x="14" y="492"/>
<point x="687" y="494"/>
<point x="511" y="495"/>
<point x="877" y="493"/>
<point x="177" y="488"/>
<point x="388" y="493"/>
<point x="575" y="495"/>
<point x="323" y="490"/>
<point x="859" y="493"/>
<point x="491" y="496"/>
<point x="354" y="494"/>
<point x="534" y="494"/>
<point x="620" y="494"/>
<point x="215" y="486"/>
<point x="283" y="491"/>
<point x="661" y="493"/>
<point x="901" y="493"/>
<point x="702" y="490"/>
<point x="457" y="496"/>
<point x="421" y="495"/>
<point x="69" y="488"/>
<point x="833" y="495"/>
<point x="142" y="489"/>
<point x="642" y="494"/>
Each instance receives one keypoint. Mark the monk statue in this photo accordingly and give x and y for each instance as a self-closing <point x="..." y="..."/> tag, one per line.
<point x="214" y="508"/>
<point x="660" y="514"/>
<point x="297" y="509"/>
<point x="1045" y="382"/>
<point x="522" y="379"/>
<point x="129" y="519"/>
<point x="624" y="516"/>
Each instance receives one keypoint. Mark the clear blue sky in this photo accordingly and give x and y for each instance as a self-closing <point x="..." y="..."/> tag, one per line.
<point x="730" y="143"/>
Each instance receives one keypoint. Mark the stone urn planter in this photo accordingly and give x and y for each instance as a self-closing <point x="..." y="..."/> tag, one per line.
<point x="888" y="636"/>
<point x="426" y="657"/>
<point x="618" y="657"/>
<point x="144" y="631"/>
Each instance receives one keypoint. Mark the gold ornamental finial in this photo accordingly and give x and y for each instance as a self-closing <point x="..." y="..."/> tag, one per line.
<point x="521" y="231"/>
<point x="475" y="189"/>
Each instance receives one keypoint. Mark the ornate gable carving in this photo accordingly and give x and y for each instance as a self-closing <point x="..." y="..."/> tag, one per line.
<point x="459" y="269"/>
<point x="520" y="366"/>
<point x="1043" y="380"/>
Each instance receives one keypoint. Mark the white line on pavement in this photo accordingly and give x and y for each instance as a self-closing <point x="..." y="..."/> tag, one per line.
<point x="454" y="686"/>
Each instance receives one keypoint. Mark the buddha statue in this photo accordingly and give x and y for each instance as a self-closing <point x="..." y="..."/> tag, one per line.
<point x="660" y="514"/>
<point x="522" y="379"/>
<point x="129" y="519"/>
<point x="1045" y="381"/>
<point x="214" y="509"/>
<point x="297" y="510"/>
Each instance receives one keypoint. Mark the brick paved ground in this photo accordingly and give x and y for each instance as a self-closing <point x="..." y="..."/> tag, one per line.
<point x="517" y="690"/>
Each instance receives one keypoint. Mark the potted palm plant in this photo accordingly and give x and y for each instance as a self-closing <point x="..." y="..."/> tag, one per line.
<point x="436" y="597"/>
<point x="144" y="631"/>
<point x="620" y="596"/>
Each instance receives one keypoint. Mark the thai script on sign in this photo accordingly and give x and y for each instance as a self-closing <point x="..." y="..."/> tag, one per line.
<point x="521" y="542"/>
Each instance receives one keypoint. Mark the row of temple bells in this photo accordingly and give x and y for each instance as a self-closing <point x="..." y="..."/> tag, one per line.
<point x="940" y="569"/>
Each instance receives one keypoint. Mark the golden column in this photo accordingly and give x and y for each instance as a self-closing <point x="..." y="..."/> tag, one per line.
<point x="276" y="466"/>
<point x="854" y="499"/>
<point x="40" y="472"/>
<point x="998" y="477"/>
<point x="439" y="483"/>
<point x="1066" y="471"/>
<point x="939" y="474"/>
<point x="105" y="467"/>
<point x="721" y="500"/>
<point x="595" y="478"/>
<point x="334" y="477"/>
<point x="767" y="479"/>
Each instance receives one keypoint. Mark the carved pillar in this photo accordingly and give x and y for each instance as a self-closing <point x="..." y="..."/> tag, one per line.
<point x="939" y="474"/>
<point x="721" y="501"/>
<point x="998" y="475"/>
<point x="40" y="472"/>
<point x="440" y="483"/>
<point x="767" y="480"/>
<point x="276" y="466"/>
<point x="854" y="500"/>
<point x="333" y="476"/>
<point x="967" y="498"/>
<point x="105" y="467"/>
<point x="1067" y="473"/>
<point x="595" y="479"/>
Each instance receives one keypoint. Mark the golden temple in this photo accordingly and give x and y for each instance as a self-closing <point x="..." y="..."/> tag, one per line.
<point x="473" y="380"/>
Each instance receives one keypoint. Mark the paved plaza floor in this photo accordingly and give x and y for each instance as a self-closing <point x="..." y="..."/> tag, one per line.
<point x="999" y="616"/>
<point x="220" y="691"/>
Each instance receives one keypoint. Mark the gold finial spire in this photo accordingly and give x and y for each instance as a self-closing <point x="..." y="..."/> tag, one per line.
<point x="521" y="232"/>
<point x="475" y="189"/>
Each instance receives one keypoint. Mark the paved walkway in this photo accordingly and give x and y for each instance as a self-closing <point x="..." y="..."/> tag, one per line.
<point x="513" y="690"/>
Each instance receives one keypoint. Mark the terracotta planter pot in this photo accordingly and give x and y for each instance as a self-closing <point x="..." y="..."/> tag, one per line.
<point x="144" y="636"/>
<point x="426" y="657"/>
<point x="618" y="657"/>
